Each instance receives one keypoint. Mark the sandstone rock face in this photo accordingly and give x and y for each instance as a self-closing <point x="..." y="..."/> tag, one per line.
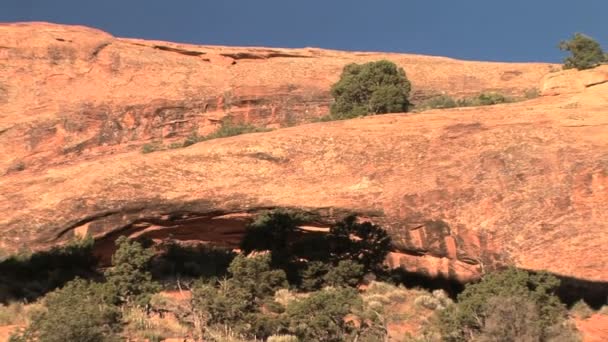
<point x="69" y="93"/>
<point x="460" y="191"/>
<point x="573" y="81"/>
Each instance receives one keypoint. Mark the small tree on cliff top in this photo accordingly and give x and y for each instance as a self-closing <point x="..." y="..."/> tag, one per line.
<point x="372" y="88"/>
<point x="585" y="52"/>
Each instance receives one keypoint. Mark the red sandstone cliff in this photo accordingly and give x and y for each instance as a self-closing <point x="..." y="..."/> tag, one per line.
<point x="523" y="183"/>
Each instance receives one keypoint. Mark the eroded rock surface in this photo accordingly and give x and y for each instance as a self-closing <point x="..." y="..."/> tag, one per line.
<point x="69" y="93"/>
<point x="460" y="191"/>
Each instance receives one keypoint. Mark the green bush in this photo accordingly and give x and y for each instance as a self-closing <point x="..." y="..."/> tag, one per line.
<point x="364" y="243"/>
<point x="151" y="147"/>
<point x="313" y="275"/>
<point x="195" y="262"/>
<point x="128" y="281"/>
<point x="345" y="273"/>
<point x="499" y="298"/>
<point x="320" y="316"/>
<point x="270" y="232"/>
<point x="439" y="102"/>
<point x="224" y="303"/>
<point x="484" y="99"/>
<point x="585" y="52"/>
<point x="488" y="99"/>
<point x="229" y="129"/>
<point x="255" y="275"/>
<point x="76" y="312"/>
<point x="372" y="88"/>
<point x="235" y="302"/>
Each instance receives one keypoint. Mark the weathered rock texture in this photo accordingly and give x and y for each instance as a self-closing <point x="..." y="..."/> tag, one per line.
<point x="459" y="190"/>
<point x="69" y="92"/>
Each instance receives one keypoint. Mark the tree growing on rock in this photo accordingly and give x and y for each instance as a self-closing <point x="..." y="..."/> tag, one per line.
<point x="511" y="305"/>
<point x="77" y="312"/>
<point x="129" y="280"/>
<point x="585" y="52"/>
<point x="372" y="88"/>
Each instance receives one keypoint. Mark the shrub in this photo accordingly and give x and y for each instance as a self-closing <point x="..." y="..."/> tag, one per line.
<point x="439" y="102"/>
<point x="76" y="312"/>
<point x="151" y="147"/>
<point x="438" y="300"/>
<point x="365" y="243"/>
<point x="282" y="338"/>
<point x="372" y="88"/>
<point x="468" y="318"/>
<point x="484" y="99"/>
<point x="13" y="313"/>
<point x="128" y="281"/>
<point x="582" y="309"/>
<point x="531" y="93"/>
<point x="488" y="99"/>
<point x="284" y="296"/>
<point x="585" y="52"/>
<point x="229" y="129"/>
<point x="255" y="275"/>
<point x="235" y="302"/>
<point x="345" y="273"/>
<point x="197" y="261"/>
<point x="320" y="317"/>
<point x="225" y="304"/>
<point x="313" y="275"/>
<point x="270" y="232"/>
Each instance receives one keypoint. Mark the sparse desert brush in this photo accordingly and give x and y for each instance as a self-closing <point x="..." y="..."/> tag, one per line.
<point x="141" y="325"/>
<point x="581" y="309"/>
<point x="438" y="102"/>
<point x="427" y="302"/>
<point x="483" y="99"/>
<point x="284" y="296"/>
<point x="531" y="93"/>
<point x="151" y="147"/>
<point x="13" y="313"/>
<point x="380" y="293"/>
<point x="437" y="300"/>
<point x="282" y="338"/>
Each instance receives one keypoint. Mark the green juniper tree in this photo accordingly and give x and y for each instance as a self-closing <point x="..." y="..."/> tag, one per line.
<point x="585" y="52"/>
<point x="372" y="88"/>
<point x="128" y="280"/>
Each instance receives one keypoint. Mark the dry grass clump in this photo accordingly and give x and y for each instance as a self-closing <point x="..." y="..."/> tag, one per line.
<point x="154" y="327"/>
<point x="18" y="313"/>
<point x="581" y="310"/>
<point x="437" y="300"/>
<point x="285" y="296"/>
<point x="282" y="338"/>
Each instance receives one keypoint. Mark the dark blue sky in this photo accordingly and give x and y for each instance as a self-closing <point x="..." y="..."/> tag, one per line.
<point x="507" y="30"/>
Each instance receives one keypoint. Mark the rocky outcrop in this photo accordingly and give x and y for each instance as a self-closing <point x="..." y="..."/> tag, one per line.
<point x="460" y="191"/>
<point x="69" y="93"/>
<point x="573" y="81"/>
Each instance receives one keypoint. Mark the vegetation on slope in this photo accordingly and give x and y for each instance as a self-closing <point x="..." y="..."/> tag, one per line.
<point x="585" y="52"/>
<point x="311" y="293"/>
